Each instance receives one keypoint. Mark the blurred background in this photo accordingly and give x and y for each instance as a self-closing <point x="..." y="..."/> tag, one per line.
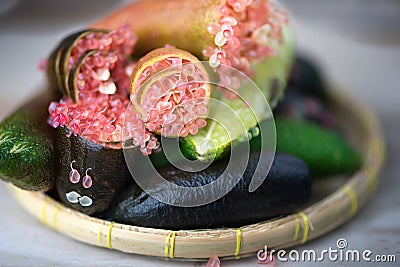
<point x="356" y="43"/>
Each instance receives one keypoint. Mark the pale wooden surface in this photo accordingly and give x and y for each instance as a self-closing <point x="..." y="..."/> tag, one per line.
<point x="358" y="46"/>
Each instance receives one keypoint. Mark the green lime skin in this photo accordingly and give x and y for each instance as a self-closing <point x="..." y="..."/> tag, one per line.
<point x="325" y="152"/>
<point x="26" y="148"/>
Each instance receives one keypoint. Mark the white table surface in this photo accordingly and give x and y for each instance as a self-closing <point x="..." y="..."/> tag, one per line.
<point x="356" y="42"/>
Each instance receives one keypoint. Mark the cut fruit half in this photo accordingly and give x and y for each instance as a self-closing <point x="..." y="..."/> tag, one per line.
<point x="170" y="92"/>
<point x="112" y="47"/>
<point x="92" y="69"/>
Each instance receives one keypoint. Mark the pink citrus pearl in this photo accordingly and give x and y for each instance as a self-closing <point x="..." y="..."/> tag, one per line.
<point x="87" y="181"/>
<point x="213" y="262"/>
<point x="109" y="63"/>
<point x="74" y="176"/>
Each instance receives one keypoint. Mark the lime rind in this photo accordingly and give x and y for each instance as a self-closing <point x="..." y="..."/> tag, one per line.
<point x="270" y="79"/>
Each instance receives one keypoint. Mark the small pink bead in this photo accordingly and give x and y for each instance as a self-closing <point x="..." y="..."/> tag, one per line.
<point x="213" y="28"/>
<point x="199" y="93"/>
<point x="201" y="110"/>
<point x="185" y="98"/>
<point x="94" y="85"/>
<point x="154" y="114"/>
<point x="151" y="144"/>
<point x="87" y="181"/>
<point x="89" y="62"/>
<point x="160" y="65"/>
<point x="184" y="132"/>
<point x="201" y="123"/>
<point x="234" y="42"/>
<point x="81" y="42"/>
<point x="224" y="11"/>
<point x="247" y="2"/>
<point x="176" y="129"/>
<point x="190" y="84"/>
<point x="61" y="119"/>
<point x="213" y="262"/>
<point x="99" y="61"/>
<point x="111" y="58"/>
<point x="74" y="126"/>
<point x="188" y="69"/>
<point x="71" y="61"/>
<point x="161" y="106"/>
<point x="170" y="118"/>
<point x="92" y="43"/>
<point x="167" y="84"/>
<point x="227" y="30"/>
<point x="189" y="117"/>
<point x="146" y="137"/>
<point x="175" y="61"/>
<point x="147" y="72"/>
<point x="239" y="7"/>
<point x="144" y="150"/>
<point x="228" y="34"/>
<point x="193" y="129"/>
<point x="42" y="66"/>
<point x="231" y="2"/>
<point x="109" y="128"/>
<point x="228" y="20"/>
<point x="74" y="176"/>
<point x="208" y="51"/>
<point x="228" y="62"/>
<point x="252" y="54"/>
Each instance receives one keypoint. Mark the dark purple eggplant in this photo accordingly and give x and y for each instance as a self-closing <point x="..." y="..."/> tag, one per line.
<point x="307" y="78"/>
<point x="89" y="175"/>
<point x="286" y="189"/>
<point x="296" y="105"/>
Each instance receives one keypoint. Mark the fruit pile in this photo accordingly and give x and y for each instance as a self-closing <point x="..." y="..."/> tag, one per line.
<point x="117" y="90"/>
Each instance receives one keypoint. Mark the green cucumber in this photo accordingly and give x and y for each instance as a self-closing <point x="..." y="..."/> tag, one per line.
<point x="26" y="147"/>
<point x="324" y="151"/>
<point x="228" y="127"/>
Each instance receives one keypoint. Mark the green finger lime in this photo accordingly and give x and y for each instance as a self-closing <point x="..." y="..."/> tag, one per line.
<point x="325" y="151"/>
<point x="26" y="148"/>
<point x="225" y="130"/>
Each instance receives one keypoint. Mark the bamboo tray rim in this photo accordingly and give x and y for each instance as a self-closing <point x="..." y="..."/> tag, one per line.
<point x="283" y="232"/>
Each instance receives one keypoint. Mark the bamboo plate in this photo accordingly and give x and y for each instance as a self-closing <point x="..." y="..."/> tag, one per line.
<point x="330" y="210"/>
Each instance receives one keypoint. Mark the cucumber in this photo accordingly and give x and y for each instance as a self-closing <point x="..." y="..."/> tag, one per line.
<point x="324" y="151"/>
<point x="286" y="189"/>
<point x="229" y="126"/>
<point x="26" y="147"/>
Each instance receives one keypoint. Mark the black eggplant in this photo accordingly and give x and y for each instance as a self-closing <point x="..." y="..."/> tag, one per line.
<point x="286" y="189"/>
<point x="89" y="175"/>
<point x="307" y="78"/>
